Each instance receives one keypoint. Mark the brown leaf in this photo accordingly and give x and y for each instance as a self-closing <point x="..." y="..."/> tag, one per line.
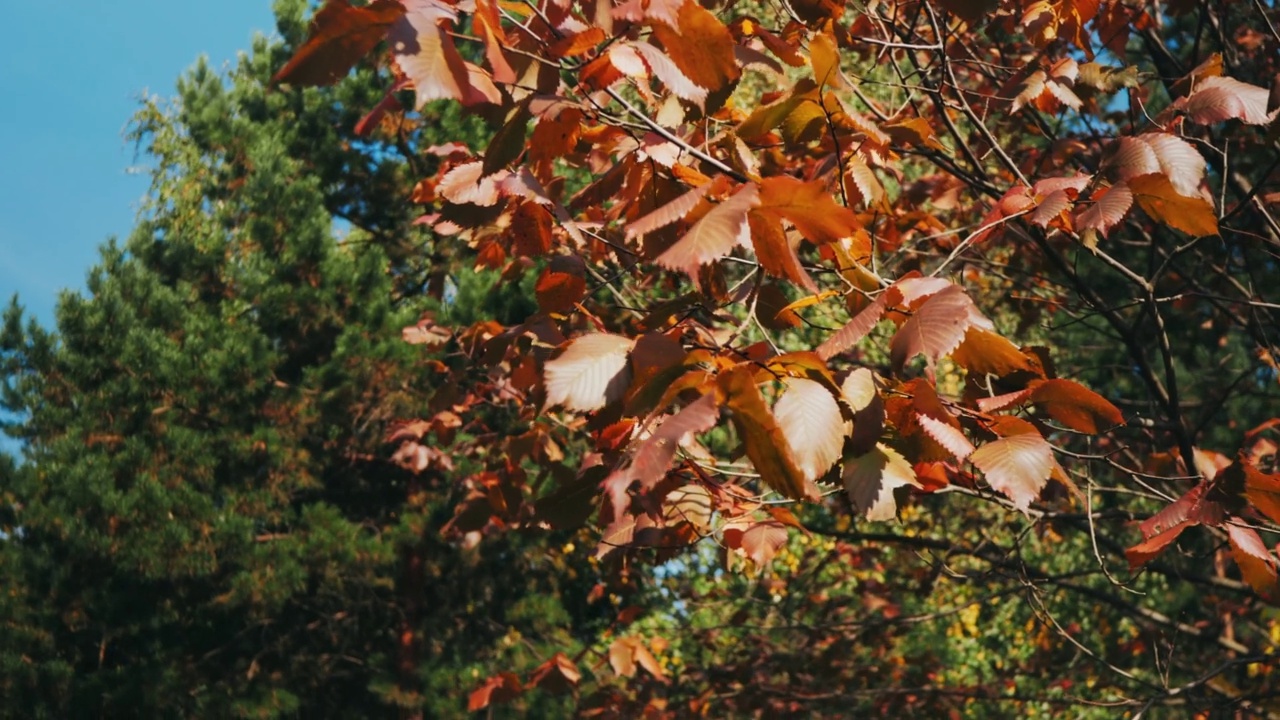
<point x="559" y="291"/>
<point x="1257" y="564"/>
<point x="558" y="676"/>
<point x="340" y="36"/>
<point x="1018" y="466"/>
<point x="775" y="251"/>
<point x="1222" y="98"/>
<point x="590" y="373"/>
<point x="762" y="541"/>
<point x="983" y="352"/>
<point x="425" y="53"/>
<point x="1263" y="491"/>
<point x="714" y="236"/>
<point x="811" y="422"/>
<point x="872" y="479"/>
<point x="935" y="329"/>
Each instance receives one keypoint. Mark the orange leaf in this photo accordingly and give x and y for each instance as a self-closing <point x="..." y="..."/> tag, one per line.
<point x="1076" y="406"/>
<point x="987" y="353"/>
<point x="810" y="207"/>
<point x="702" y="47"/>
<point x="340" y="36"/>
<point x="775" y="251"/>
<point x="764" y="441"/>
<point x="575" y="45"/>
<point x="1158" y="198"/>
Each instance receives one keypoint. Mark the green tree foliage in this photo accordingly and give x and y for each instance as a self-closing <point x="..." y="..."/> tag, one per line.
<point x="208" y="520"/>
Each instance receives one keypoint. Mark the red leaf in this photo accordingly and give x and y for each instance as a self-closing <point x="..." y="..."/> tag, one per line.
<point x="340" y="36"/>
<point x="761" y="541"/>
<point x="1141" y="553"/>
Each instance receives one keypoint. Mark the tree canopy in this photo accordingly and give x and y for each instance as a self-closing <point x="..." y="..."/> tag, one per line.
<point x="675" y="358"/>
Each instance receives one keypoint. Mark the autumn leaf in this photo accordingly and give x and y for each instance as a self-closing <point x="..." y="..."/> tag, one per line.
<point x="764" y="441"/>
<point x="1220" y="98"/>
<point x="340" y="36"/>
<point x="1076" y="406"/>
<point x="812" y="425"/>
<point x="1109" y="207"/>
<point x="810" y="207"/>
<point x="425" y="53"/>
<point x="653" y="456"/>
<point x="1018" y="466"/>
<point x="590" y="373"/>
<point x="700" y="46"/>
<point x="872" y="479"/>
<point x="1257" y="564"/>
<point x="501" y="688"/>
<point x="714" y="235"/>
<point x="935" y="329"/>
<point x="947" y="436"/>
<point x="1160" y="199"/>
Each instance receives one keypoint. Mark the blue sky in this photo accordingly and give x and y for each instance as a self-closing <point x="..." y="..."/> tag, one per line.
<point x="70" y="76"/>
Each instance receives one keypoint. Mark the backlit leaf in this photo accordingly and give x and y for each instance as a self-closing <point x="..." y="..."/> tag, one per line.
<point x="871" y="479"/>
<point x="590" y="373"/>
<point x="1160" y="199"/>
<point x="947" y="436"/>
<point x="700" y="46"/>
<point x="1018" y="466"/>
<point x="811" y="422"/>
<point x="1108" y="209"/>
<point x="810" y="207"/>
<point x="340" y="36"/>
<point x="427" y="56"/>
<point x="714" y="236"/>
<point x="1220" y="98"/>
<point x="1076" y="406"/>
<point x="935" y="329"/>
<point x="764" y="441"/>
<point x="1257" y="564"/>
<point x="667" y="214"/>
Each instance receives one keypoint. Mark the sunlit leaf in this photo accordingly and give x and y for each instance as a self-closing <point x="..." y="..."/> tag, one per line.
<point x="340" y="36"/>
<point x="1018" y="466"/>
<point x="1160" y="199"/>
<point x="715" y="235"/>
<point x="590" y="373"/>
<point x="872" y="479"/>
<point x="811" y="422"/>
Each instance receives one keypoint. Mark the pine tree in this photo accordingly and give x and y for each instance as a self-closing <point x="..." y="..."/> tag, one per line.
<point x="207" y="521"/>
